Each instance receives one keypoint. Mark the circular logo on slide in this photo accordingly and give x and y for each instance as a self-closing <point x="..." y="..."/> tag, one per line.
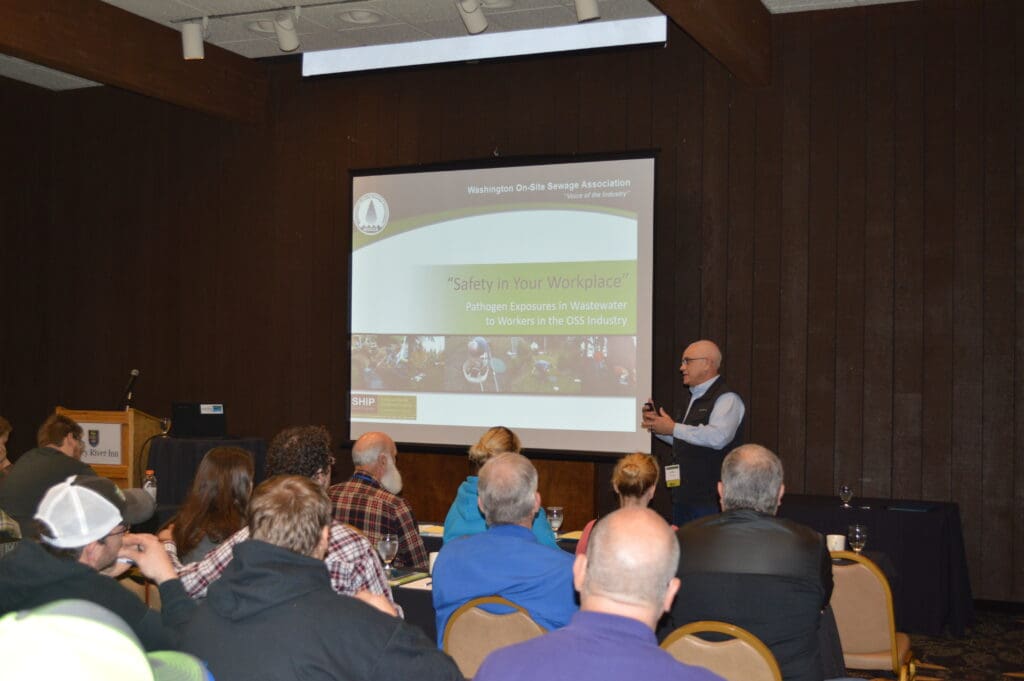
<point x="371" y="214"/>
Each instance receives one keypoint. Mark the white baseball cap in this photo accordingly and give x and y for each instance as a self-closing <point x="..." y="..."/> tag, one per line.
<point x="85" y="508"/>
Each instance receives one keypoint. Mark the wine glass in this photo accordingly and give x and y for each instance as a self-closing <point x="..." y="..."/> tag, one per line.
<point x="858" y="537"/>
<point x="387" y="547"/>
<point x="846" y="494"/>
<point x="555" y="517"/>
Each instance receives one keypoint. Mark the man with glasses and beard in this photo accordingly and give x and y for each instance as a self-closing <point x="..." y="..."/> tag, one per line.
<point x="369" y="499"/>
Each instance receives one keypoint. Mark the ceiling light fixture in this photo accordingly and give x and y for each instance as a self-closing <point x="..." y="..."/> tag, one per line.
<point x="284" y="27"/>
<point x="472" y="16"/>
<point x="587" y="10"/>
<point x="192" y="35"/>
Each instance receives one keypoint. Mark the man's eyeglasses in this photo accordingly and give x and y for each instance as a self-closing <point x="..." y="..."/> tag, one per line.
<point x="124" y="529"/>
<point x="688" y="360"/>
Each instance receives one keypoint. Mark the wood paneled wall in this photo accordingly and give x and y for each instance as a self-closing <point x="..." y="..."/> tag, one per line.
<point x="851" y="236"/>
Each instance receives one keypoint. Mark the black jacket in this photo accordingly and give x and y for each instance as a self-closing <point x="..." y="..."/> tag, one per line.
<point x="273" y="615"/>
<point x="30" y="577"/>
<point x="768" y="575"/>
<point x="702" y="466"/>
<point x="27" y="481"/>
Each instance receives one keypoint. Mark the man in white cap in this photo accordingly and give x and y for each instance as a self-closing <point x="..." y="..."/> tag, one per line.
<point x="82" y="526"/>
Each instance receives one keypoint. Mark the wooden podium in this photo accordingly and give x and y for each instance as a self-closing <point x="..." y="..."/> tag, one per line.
<point x="114" y="441"/>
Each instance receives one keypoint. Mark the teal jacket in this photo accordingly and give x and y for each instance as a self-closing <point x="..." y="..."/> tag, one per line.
<point x="464" y="517"/>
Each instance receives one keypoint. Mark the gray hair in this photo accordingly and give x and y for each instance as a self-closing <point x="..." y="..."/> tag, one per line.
<point x="751" y="479"/>
<point x="632" y="557"/>
<point x="369" y="447"/>
<point x="507" y="489"/>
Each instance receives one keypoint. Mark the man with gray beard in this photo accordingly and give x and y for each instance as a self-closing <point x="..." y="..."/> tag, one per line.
<point x="369" y="500"/>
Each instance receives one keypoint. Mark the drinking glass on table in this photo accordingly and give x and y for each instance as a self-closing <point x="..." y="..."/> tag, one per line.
<point x="845" y="495"/>
<point x="555" y="517"/>
<point x="858" y="537"/>
<point x="387" y="547"/>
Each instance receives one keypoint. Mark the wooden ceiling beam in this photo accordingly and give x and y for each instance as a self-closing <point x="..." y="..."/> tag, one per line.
<point x="737" y="33"/>
<point x="100" y="42"/>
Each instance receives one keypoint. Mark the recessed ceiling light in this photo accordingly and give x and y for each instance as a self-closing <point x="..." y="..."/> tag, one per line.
<point x="497" y="4"/>
<point x="360" y="16"/>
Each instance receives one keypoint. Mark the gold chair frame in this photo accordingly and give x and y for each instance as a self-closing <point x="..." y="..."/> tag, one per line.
<point x="903" y="665"/>
<point x="741" y="639"/>
<point x="469" y="661"/>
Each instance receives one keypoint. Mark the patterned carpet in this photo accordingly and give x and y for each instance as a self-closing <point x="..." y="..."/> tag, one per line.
<point x="992" y="648"/>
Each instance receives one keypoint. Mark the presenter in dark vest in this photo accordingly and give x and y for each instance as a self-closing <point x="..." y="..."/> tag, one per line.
<point x="709" y="428"/>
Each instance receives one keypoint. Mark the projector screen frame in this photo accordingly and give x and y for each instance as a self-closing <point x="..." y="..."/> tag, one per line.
<point x="644" y="359"/>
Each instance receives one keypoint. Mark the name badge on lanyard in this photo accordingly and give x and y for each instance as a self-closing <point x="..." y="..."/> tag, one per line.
<point x="672" y="477"/>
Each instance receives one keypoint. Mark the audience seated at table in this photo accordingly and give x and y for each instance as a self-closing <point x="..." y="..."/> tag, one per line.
<point x="274" y="615"/>
<point x="215" y="507"/>
<point x="744" y="566"/>
<point x="626" y="582"/>
<point x="635" y="479"/>
<point x="507" y="560"/>
<point x="369" y="500"/>
<point x="83" y="522"/>
<point x="464" y="517"/>
<point x="352" y="562"/>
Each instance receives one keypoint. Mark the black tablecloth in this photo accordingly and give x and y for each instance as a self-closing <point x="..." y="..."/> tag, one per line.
<point x="174" y="462"/>
<point x="924" y="541"/>
<point x="418" y="605"/>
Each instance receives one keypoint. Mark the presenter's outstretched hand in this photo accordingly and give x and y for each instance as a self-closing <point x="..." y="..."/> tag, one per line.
<point x="658" y="422"/>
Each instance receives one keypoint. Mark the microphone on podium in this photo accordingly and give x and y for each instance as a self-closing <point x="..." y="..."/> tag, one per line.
<point x="126" y="401"/>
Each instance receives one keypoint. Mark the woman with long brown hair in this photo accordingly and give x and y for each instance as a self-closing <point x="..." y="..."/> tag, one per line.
<point x="216" y="506"/>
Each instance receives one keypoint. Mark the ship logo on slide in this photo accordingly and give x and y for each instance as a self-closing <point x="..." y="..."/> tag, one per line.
<point x="370" y="216"/>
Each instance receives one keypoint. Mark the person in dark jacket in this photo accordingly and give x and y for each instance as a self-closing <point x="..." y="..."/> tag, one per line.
<point x="273" y="614"/>
<point x="771" y="576"/>
<point x="58" y="456"/>
<point x="84" y="522"/>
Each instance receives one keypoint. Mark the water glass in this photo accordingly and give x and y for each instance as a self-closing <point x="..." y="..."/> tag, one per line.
<point x="858" y="537"/>
<point x="845" y="495"/>
<point x="555" y="517"/>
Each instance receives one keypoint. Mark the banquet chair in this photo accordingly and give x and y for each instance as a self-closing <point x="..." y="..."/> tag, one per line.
<point x="472" y="633"/>
<point x="743" y="657"/>
<point x="862" y="604"/>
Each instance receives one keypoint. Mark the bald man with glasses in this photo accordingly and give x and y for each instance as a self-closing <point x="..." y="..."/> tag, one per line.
<point x="710" y="426"/>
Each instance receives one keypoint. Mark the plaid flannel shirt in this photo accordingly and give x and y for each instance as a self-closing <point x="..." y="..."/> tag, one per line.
<point x="9" y="528"/>
<point x="351" y="561"/>
<point x="363" y="503"/>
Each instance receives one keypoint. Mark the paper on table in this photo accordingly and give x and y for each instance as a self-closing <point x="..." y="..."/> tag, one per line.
<point x="575" y="534"/>
<point x="430" y="530"/>
<point x="422" y="584"/>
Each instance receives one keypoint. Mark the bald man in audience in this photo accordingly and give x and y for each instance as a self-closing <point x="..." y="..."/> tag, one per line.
<point x="369" y="499"/>
<point x="626" y="582"/>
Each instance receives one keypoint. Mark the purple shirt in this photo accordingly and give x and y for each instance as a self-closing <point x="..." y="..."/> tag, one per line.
<point x="596" y="647"/>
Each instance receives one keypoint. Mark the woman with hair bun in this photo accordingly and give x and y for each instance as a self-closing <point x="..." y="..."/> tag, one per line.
<point x="634" y="480"/>
<point x="464" y="517"/>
